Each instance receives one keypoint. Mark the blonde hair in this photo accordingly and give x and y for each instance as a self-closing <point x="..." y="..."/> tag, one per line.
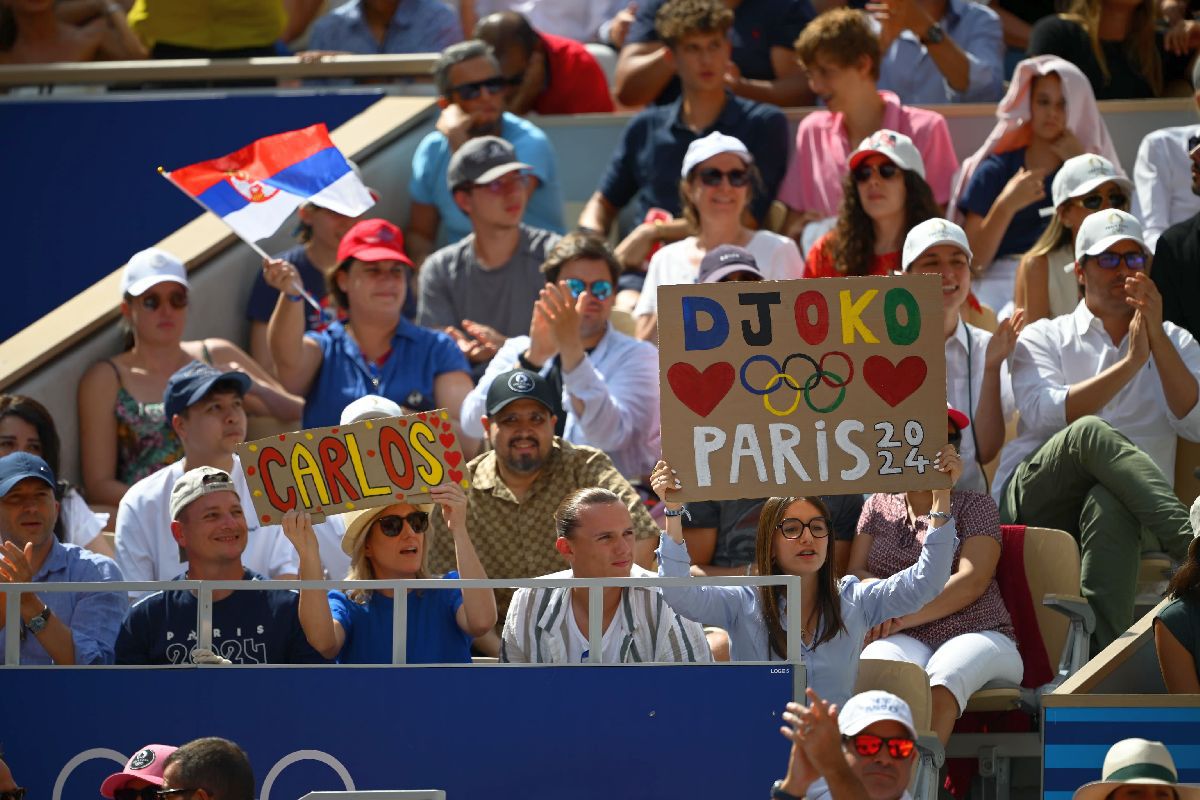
<point x="1139" y="42"/>
<point x="361" y="568"/>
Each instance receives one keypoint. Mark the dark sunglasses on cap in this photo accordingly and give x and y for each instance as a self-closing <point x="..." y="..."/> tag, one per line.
<point x="601" y="290"/>
<point x="792" y="528"/>
<point x="393" y="524"/>
<point x="887" y="171"/>
<point x="1095" y="202"/>
<point x="1135" y="261"/>
<point x="13" y="794"/>
<point x="151" y="302"/>
<point x="169" y="792"/>
<point x="470" y="91"/>
<point x="711" y="176"/>
<point x="1192" y="144"/>
<point x="145" y="793"/>
<point x="868" y="744"/>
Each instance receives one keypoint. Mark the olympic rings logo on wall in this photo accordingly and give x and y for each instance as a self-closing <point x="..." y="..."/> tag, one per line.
<point x="782" y="379"/>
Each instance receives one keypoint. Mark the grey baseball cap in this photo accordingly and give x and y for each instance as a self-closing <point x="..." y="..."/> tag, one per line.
<point x="482" y="160"/>
<point x="194" y="484"/>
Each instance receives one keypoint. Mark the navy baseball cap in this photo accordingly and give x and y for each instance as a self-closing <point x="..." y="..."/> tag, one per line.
<point x="189" y="385"/>
<point x="16" y="467"/>
<point x="518" y="384"/>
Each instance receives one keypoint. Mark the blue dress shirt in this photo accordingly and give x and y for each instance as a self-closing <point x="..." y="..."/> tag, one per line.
<point x="418" y="26"/>
<point x="908" y="70"/>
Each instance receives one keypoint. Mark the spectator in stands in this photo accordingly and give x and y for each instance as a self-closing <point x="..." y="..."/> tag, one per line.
<point x="605" y="21"/>
<point x="204" y="405"/>
<point x="606" y="382"/>
<point x="123" y="434"/>
<point x="717" y="185"/>
<point x="546" y="74"/>
<point x="372" y="27"/>
<point x="963" y="637"/>
<point x="518" y="483"/>
<point x="762" y="68"/>
<point x="644" y="168"/>
<point x="1164" y="176"/>
<point x="216" y="767"/>
<point x="1138" y="768"/>
<point x="481" y="289"/>
<point x="27" y="427"/>
<point x="471" y="95"/>
<point x="840" y="51"/>
<point x="867" y="749"/>
<point x="884" y="196"/>
<point x="56" y="627"/>
<point x="1017" y="18"/>
<point x="1095" y="447"/>
<point x="1177" y="628"/>
<point x="940" y="51"/>
<point x="210" y="28"/>
<point x="248" y="626"/>
<point x="386" y="543"/>
<point x="1176" y="258"/>
<point x="376" y="351"/>
<point x="143" y="771"/>
<point x="793" y="539"/>
<point x="548" y="626"/>
<point x="1046" y="285"/>
<point x="977" y="379"/>
<point x="41" y="33"/>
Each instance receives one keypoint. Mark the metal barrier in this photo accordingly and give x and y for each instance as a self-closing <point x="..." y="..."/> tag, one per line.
<point x="414" y="794"/>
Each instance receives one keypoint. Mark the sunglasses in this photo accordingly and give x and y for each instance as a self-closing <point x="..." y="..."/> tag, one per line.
<point x="601" y="290"/>
<point x="151" y="302"/>
<point x="1094" y="202"/>
<point x="470" y="91"/>
<point x="863" y="172"/>
<point x="1192" y="143"/>
<point x="792" y="528"/>
<point x="866" y="744"/>
<point x="169" y="792"/>
<point x="13" y="794"/>
<point x="391" y="525"/>
<point x="711" y="176"/>
<point x="1135" y="261"/>
<point x="145" y="793"/>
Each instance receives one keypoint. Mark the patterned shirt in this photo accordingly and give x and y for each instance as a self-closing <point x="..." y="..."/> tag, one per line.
<point x="515" y="538"/>
<point x="898" y="542"/>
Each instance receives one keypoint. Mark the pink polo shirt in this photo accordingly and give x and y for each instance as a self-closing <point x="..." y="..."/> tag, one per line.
<point x="814" y="178"/>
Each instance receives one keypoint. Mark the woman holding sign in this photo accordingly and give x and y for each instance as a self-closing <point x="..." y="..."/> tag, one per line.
<point x="793" y="539"/>
<point x="387" y="543"/>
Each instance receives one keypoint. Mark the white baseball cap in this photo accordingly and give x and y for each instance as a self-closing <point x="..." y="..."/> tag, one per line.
<point x="1105" y="228"/>
<point x="1137" y="761"/>
<point x="931" y="233"/>
<point x="370" y="406"/>
<point x="151" y="267"/>
<point x="867" y="708"/>
<point x="895" y="147"/>
<point x="713" y="145"/>
<point x="1080" y="175"/>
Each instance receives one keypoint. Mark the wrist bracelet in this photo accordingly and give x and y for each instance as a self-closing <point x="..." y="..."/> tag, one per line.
<point x="777" y="792"/>
<point x="294" y="298"/>
<point x="942" y="515"/>
<point x="676" y="513"/>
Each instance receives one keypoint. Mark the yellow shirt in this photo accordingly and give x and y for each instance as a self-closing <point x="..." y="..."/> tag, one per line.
<point x="208" y="24"/>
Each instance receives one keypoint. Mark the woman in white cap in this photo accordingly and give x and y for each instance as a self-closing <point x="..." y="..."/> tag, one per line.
<point x="123" y="433"/>
<point x="1141" y="769"/>
<point x="1177" y="627"/>
<point x="1045" y="283"/>
<point x="884" y="196"/>
<point x="718" y="182"/>
<point x="355" y="627"/>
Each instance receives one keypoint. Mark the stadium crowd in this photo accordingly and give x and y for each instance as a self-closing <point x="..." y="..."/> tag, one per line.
<point x="1068" y="287"/>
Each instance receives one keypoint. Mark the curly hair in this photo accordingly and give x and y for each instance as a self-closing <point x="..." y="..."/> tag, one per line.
<point x="679" y="18"/>
<point x="1185" y="585"/>
<point x="843" y="35"/>
<point x="852" y="244"/>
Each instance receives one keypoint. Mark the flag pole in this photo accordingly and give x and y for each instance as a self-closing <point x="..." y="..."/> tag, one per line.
<point x="296" y="287"/>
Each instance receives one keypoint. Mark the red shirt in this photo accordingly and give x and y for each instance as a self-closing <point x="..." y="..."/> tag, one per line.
<point x="576" y="82"/>
<point x="820" y="265"/>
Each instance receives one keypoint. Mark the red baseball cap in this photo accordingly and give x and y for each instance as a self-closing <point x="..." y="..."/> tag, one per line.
<point x="373" y="240"/>
<point x="960" y="420"/>
<point x="146" y="764"/>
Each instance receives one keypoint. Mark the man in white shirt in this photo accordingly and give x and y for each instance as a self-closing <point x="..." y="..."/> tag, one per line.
<point x="1103" y="393"/>
<point x="608" y="381"/>
<point x="204" y="405"/>
<point x="549" y="626"/>
<point x="1161" y="174"/>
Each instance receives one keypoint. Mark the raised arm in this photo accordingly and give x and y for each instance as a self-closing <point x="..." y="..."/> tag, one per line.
<point x="297" y="358"/>
<point x="266" y="396"/>
<point x="323" y="632"/>
<point x="988" y="414"/>
<point x="477" y="614"/>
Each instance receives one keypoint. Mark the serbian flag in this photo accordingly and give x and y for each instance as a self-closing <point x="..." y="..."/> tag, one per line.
<point x="257" y="188"/>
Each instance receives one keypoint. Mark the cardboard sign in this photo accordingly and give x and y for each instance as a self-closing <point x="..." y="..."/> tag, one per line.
<point x="803" y="387"/>
<point x="343" y="468"/>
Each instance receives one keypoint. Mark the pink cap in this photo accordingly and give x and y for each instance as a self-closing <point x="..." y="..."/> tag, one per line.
<point x="146" y="764"/>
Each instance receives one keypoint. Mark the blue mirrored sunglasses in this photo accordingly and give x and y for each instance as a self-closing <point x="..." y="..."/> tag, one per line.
<point x="601" y="290"/>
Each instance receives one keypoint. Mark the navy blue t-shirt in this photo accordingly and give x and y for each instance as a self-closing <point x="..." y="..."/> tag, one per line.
<point x="645" y="165"/>
<point x="986" y="184"/>
<point x="249" y="627"/>
<point x="758" y="25"/>
<point x="433" y="633"/>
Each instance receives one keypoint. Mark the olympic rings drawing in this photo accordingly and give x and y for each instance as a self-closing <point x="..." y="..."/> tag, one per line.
<point x="804" y="389"/>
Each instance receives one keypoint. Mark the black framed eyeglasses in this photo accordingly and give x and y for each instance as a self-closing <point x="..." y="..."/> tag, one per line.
<point x="145" y="793"/>
<point x="887" y="171"/>
<point x="1095" y="202"/>
<point x="601" y="290"/>
<point x="13" y="794"/>
<point x="868" y="744"/>
<point x="472" y="90"/>
<point x="1135" y="261"/>
<point x="793" y="528"/>
<point x="391" y="525"/>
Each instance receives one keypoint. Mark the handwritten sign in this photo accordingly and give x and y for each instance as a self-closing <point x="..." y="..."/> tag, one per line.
<point x="821" y="386"/>
<point x="366" y="464"/>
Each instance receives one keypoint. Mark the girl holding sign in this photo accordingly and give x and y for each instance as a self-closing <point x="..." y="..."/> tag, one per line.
<point x="793" y="539"/>
<point x="355" y="627"/>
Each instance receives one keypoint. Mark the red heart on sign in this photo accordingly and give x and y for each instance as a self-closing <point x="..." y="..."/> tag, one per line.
<point x="446" y="439"/>
<point x="445" y="426"/>
<point x="455" y="475"/>
<point x="894" y="383"/>
<point x="701" y="391"/>
<point x="453" y="457"/>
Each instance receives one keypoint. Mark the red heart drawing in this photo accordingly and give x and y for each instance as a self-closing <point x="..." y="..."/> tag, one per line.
<point x="894" y="383"/>
<point x="453" y="457"/>
<point x="421" y="416"/>
<point x="455" y="475"/>
<point x="701" y="391"/>
<point x="446" y="439"/>
<point x="446" y="426"/>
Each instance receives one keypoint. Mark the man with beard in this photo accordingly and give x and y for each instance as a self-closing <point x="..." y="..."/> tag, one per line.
<point x="1176" y="257"/>
<point x="471" y="95"/>
<point x="517" y="485"/>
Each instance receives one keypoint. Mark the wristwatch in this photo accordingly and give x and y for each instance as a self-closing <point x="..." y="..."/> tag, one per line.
<point x="779" y="794"/>
<point x="942" y="515"/>
<point x="37" y="623"/>
<point x="935" y="35"/>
